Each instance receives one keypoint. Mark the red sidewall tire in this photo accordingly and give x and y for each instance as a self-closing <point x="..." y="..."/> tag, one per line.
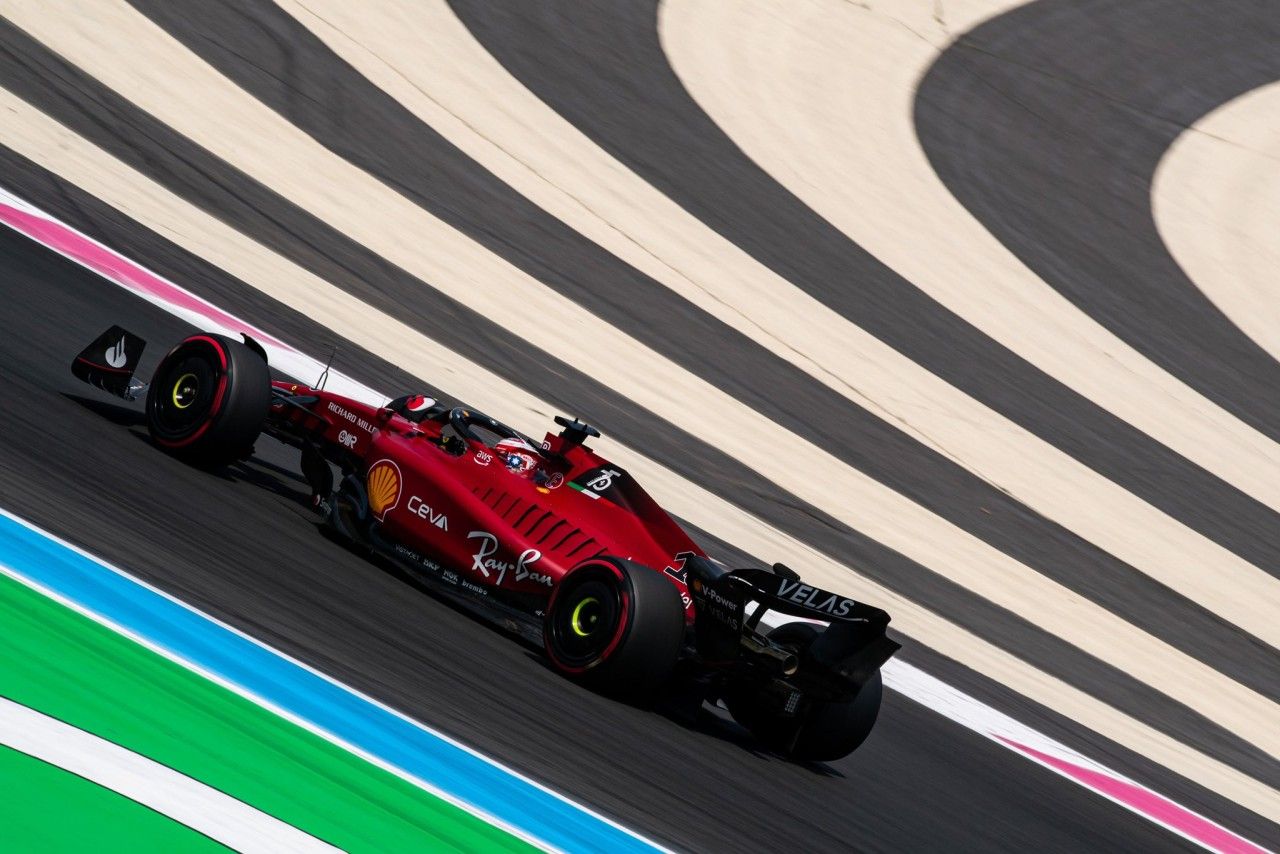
<point x="208" y="400"/>
<point x="581" y="574"/>
<point x="640" y="624"/>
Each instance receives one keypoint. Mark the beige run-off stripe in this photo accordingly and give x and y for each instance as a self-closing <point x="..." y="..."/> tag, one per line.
<point x="35" y="136"/>
<point x="461" y="91"/>
<point x="1216" y="199"/>
<point x="821" y="96"/>
<point x="161" y="76"/>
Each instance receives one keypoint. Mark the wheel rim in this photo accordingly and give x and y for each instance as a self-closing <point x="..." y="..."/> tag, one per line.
<point x="185" y="390"/>
<point x="584" y="623"/>
<point x="585" y="618"/>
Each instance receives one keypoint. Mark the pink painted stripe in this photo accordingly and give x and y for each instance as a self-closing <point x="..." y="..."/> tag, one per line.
<point x="121" y="270"/>
<point x="1145" y="802"/>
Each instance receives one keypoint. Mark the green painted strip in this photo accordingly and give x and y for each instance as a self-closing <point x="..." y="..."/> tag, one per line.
<point x="71" y="668"/>
<point x="46" y="809"/>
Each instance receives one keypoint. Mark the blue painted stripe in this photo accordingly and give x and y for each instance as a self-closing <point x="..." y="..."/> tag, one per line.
<point x="257" y="669"/>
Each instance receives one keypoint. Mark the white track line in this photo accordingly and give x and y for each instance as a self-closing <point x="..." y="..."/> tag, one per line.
<point x="423" y="56"/>
<point x="821" y="96"/>
<point x="1009" y="733"/>
<point x="137" y="197"/>
<point x="177" y="796"/>
<point x="159" y="75"/>
<point x="1216" y="198"/>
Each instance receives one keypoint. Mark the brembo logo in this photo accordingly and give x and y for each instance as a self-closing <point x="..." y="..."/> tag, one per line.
<point x="384" y="488"/>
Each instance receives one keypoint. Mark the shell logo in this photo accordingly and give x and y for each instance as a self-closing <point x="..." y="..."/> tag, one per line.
<point x="384" y="487"/>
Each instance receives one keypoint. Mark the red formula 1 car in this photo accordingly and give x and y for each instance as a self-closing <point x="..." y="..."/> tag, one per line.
<point x="548" y="539"/>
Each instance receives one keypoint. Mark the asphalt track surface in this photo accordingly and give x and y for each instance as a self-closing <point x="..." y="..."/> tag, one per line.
<point x="352" y="116"/>
<point x="244" y="547"/>
<point x="93" y="111"/>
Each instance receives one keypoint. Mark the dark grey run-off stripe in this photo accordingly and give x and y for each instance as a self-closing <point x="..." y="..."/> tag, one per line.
<point x="602" y="67"/>
<point x="1048" y="123"/>
<point x="301" y="79"/>
<point x="102" y="117"/>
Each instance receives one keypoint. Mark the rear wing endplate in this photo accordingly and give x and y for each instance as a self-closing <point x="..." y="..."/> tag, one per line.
<point x="109" y="362"/>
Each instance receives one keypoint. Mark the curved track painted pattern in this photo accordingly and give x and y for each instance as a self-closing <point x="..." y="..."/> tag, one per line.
<point x="814" y="94"/>
<point x="977" y="507"/>
<point x="604" y="71"/>
<point x="1021" y="636"/>
<point x="788" y="91"/>
<point x="1217" y="204"/>
<point x="1066" y="181"/>
<point x="485" y="209"/>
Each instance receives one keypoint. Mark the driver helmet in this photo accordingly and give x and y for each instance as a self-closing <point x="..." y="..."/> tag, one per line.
<point x="517" y="455"/>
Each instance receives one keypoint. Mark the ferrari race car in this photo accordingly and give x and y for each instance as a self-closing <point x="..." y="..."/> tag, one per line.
<point x="546" y="539"/>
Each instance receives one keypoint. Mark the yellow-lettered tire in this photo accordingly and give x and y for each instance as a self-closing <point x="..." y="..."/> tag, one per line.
<point x="616" y="626"/>
<point x="208" y="400"/>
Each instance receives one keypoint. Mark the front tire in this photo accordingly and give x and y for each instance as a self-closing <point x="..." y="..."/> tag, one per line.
<point x="824" y="730"/>
<point x="208" y="400"/>
<point x="615" y="625"/>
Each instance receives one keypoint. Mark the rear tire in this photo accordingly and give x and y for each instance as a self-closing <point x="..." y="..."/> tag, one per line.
<point x="208" y="400"/>
<point x="824" y="730"/>
<point x="616" y="626"/>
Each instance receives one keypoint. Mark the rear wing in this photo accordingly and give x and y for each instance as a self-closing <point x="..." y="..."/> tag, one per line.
<point x="792" y="596"/>
<point x="850" y="649"/>
<point x="109" y="362"/>
<point x="853" y="646"/>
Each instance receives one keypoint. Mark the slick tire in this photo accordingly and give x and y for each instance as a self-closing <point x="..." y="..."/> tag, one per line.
<point x="616" y="626"/>
<point x="208" y="400"/>
<point x="824" y="731"/>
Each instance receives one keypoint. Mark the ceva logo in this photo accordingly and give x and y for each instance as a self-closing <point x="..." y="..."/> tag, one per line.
<point x="422" y="510"/>
<point x="384" y="487"/>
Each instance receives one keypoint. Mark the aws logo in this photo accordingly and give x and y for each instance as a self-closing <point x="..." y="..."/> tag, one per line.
<point x="384" y="487"/>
